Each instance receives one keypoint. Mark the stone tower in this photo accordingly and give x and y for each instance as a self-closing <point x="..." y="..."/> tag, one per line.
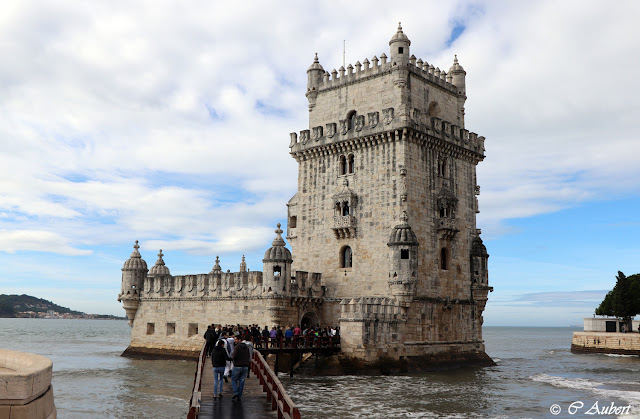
<point x="386" y="205"/>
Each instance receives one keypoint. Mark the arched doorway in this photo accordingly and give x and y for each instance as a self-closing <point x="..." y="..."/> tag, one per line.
<point x="310" y="319"/>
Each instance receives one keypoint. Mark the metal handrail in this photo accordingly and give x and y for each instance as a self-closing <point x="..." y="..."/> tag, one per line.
<point x="276" y="394"/>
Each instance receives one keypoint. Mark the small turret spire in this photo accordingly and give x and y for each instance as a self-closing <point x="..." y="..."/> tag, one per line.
<point x="278" y="241"/>
<point x="216" y="267"/>
<point x="135" y="253"/>
<point x="160" y="261"/>
<point x="243" y="265"/>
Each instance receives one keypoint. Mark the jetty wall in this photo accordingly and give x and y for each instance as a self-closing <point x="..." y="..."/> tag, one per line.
<point x="606" y="342"/>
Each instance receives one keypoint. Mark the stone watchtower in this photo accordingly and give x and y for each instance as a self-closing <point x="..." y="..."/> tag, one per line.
<point x="386" y="206"/>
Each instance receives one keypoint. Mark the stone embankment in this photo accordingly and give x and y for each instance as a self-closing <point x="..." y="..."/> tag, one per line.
<point x="25" y="386"/>
<point x="606" y="342"/>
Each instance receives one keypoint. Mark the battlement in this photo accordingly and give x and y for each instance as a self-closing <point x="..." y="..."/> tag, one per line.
<point x="376" y="67"/>
<point x="226" y="285"/>
<point x="373" y="125"/>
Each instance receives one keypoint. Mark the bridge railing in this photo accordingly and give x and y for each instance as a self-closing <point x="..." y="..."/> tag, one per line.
<point x="196" y="395"/>
<point x="299" y="342"/>
<point x="276" y="393"/>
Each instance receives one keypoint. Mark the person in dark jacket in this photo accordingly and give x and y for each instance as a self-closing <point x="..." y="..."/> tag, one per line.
<point x="241" y="361"/>
<point x="219" y="360"/>
<point x="210" y="337"/>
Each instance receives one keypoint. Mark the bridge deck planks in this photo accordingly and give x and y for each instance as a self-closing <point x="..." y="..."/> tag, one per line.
<point x="253" y="405"/>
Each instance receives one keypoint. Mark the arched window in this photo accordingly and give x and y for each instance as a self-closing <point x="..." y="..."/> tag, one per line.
<point x="337" y="209"/>
<point x="346" y="257"/>
<point x="351" y="120"/>
<point x="345" y="208"/>
<point x="350" y="165"/>
<point x="444" y="258"/>
<point x="343" y="165"/>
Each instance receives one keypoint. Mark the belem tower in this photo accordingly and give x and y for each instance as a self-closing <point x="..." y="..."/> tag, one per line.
<point x="382" y="228"/>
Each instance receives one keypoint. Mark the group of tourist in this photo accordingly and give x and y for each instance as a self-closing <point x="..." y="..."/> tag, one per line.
<point x="231" y="349"/>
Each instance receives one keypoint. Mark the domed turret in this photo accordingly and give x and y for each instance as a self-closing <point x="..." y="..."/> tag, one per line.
<point x="404" y="259"/>
<point x="458" y="74"/>
<point x="134" y="273"/>
<point x="276" y="271"/>
<point x="314" y="79"/>
<point x="479" y="258"/>
<point x="399" y="44"/>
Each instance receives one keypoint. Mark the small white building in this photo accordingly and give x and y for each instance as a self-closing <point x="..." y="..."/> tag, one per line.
<point x="606" y="324"/>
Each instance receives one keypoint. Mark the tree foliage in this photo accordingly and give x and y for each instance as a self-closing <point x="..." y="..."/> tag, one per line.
<point x="624" y="299"/>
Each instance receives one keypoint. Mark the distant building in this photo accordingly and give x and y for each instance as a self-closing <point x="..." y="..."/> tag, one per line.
<point x="382" y="227"/>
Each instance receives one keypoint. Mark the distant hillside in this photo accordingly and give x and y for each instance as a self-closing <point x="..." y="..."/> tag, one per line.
<point x="10" y="305"/>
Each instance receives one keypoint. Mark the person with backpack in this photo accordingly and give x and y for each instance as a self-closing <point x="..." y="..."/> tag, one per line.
<point x="219" y="358"/>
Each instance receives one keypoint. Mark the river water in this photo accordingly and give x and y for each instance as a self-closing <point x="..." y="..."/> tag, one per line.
<point x="535" y="371"/>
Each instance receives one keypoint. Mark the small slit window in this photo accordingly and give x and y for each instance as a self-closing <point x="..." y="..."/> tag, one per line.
<point x="404" y="253"/>
<point x="444" y="259"/>
<point x="293" y="220"/>
<point x="171" y="329"/>
<point x="400" y="50"/>
<point x="350" y="163"/>
<point x="277" y="271"/>
<point x="151" y="328"/>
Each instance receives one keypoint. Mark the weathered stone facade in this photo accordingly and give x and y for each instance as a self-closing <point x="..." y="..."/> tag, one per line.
<point x="382" y="227"/>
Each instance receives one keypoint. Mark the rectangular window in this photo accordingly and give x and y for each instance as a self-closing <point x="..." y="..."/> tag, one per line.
<point x="171" y="328"/>
<point x="193" y="329"/>
<point x="404" y="253"/>
<point x="151" y="328"/>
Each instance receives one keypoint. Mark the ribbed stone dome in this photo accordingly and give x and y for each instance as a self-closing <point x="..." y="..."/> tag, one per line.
<point x="402" y="233"/>
<point x="159" y="268"/>
<point x="456" y="67"/>
<point x="478" y="248"/>
<point x="316" y="64"/>
<point x="277" y="251"/>
<point x="135" y="261"/>
<point x="399" y="36"/>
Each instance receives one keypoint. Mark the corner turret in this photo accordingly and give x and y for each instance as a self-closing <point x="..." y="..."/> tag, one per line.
<point x="315" y="74"/>
<point x="276" y="271"/>
<point x="403" y="273"/>
<point x="458" y="74"/>
<point x="399" y="48"/>
<point x="134" y="273"/>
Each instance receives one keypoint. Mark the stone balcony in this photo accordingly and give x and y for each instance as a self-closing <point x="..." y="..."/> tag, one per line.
<point x="344" y="226"/>
<point x="448" y="226"/>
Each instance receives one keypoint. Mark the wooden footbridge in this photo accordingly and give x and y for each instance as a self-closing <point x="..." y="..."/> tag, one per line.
<point x="264" y="396"/>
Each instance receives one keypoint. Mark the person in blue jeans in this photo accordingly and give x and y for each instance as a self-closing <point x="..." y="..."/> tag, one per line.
<point x="219" y="360"/>
<point x="241" y="361"/>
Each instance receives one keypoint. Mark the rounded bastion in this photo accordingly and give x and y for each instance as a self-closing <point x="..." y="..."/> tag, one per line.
<point x="25" y="386"/>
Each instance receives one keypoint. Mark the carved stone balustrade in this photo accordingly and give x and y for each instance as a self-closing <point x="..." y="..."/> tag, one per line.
<point x="344" y="226"/>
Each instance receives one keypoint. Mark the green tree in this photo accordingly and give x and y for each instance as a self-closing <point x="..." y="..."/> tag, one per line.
<point x="623" y="300"/>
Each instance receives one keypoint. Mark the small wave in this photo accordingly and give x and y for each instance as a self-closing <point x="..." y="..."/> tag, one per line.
<point x="603" y="390"/>
<point x="621" y="356"/>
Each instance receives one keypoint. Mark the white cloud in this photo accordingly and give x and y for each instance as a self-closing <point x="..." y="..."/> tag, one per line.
<point x="39" y="241"/>
<point x="170" y="122"/>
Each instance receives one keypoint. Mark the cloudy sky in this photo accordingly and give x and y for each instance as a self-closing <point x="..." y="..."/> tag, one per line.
<point x="168" y="122"/>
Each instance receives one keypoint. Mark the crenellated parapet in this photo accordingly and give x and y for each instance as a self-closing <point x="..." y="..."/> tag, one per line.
<point x="379" y="67"/>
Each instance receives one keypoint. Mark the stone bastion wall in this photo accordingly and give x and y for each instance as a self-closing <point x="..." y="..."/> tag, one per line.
<point x="25" y="386"/>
